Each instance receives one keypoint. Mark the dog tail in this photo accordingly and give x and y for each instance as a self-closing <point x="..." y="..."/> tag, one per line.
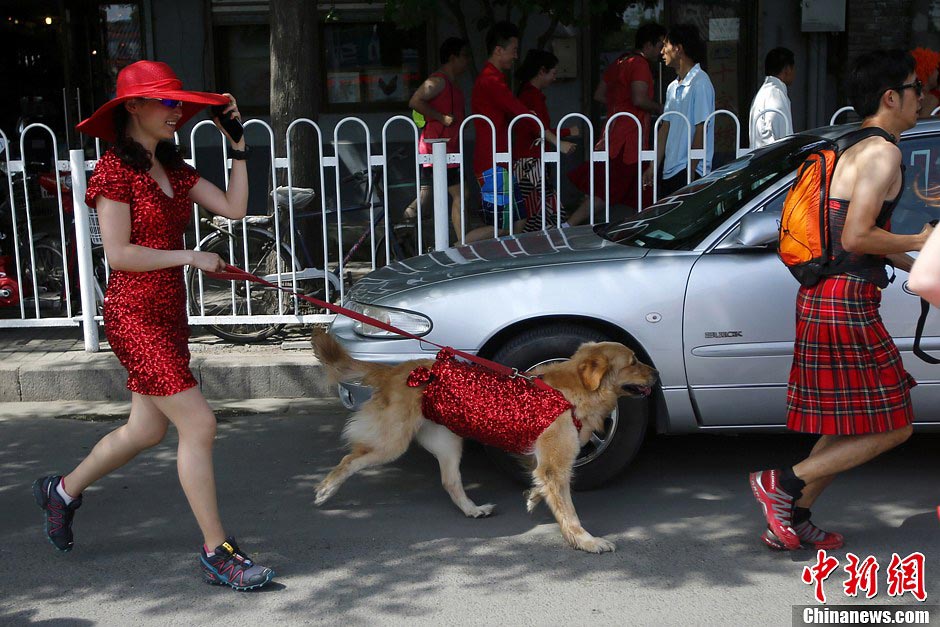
<point x="339" y="365"/>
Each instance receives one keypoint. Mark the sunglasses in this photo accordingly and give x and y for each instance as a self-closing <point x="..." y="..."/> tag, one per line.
<point x="917" y="86"/>
<point x="167" y="102"/>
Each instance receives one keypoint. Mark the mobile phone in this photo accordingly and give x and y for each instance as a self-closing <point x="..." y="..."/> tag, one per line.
<point x="232" y="126"/>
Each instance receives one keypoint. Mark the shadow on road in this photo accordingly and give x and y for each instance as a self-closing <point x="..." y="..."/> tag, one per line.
<point x="390" y="543"/>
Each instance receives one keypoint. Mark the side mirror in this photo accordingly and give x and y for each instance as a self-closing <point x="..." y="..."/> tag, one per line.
<point x="758" y="229"/>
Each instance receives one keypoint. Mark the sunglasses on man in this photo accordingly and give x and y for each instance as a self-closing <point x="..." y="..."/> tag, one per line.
<point x="916" y="85"/>
<point x="169" y="103"/>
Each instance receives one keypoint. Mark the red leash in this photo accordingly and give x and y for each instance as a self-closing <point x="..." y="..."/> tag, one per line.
<point x="234" y="273"/>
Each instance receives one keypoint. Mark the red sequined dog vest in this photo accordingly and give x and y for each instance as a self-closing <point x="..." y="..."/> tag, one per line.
<point x="509" y="413"/>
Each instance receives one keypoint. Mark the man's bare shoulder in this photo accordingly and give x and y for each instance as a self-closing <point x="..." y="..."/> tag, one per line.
<point x="878" y="151"/>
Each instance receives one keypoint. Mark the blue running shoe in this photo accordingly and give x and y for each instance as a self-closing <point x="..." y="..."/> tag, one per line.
<point x="58" y="523"/>
<point x="230" y="567"/>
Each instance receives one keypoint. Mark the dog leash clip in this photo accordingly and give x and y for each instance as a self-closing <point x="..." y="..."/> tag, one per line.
<point x="516" y="374"/>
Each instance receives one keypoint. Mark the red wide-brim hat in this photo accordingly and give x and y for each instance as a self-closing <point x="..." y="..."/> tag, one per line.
<point x="147" y="79"/>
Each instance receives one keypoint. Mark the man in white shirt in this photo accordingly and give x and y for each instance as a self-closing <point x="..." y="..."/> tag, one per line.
<point x="692" y="95"/>
<point x="770" y="117"/>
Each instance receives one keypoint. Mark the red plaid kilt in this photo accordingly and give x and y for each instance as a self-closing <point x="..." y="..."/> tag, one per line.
<point x="847" y="376"/>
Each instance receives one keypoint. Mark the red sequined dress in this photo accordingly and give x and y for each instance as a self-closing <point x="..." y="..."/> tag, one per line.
<point x="145" y="312"/>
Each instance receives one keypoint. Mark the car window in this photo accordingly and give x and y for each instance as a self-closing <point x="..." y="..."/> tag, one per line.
<point x="920" y="201"/>
<point x="681" y="221"/>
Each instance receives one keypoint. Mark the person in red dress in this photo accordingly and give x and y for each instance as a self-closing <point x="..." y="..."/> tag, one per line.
<point x="627" y="86"/>
<point x="848" y="383"/>
<point x="143" y="192"/>
<point x="538" y="71"/>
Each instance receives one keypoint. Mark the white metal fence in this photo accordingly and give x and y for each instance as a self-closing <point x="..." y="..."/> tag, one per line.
<point x="55" y="269"/>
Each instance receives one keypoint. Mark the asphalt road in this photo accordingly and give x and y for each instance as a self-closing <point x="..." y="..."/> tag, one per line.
<point x="390" y="547"/>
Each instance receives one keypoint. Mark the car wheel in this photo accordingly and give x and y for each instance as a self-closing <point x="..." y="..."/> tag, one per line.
<point x="607" y="454"/>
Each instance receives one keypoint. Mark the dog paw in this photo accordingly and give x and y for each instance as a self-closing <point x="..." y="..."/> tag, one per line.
<point x="481" y="511"/>
<point x="324" y="492"/>
<point x="532" y="498"/>
<point x="595" y="545"/>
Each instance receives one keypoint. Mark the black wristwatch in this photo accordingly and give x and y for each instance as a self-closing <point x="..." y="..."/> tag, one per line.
<point x="240" y="155"/>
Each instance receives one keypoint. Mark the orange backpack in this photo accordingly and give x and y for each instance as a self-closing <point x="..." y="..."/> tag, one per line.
<point x="805" y="244"/>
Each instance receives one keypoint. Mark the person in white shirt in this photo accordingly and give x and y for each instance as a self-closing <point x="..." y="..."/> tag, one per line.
<point x="770" y="117"/>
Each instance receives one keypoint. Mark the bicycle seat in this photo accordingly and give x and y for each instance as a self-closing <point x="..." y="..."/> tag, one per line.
<point x="262" y="221"/>
<point x="302" y="196"/>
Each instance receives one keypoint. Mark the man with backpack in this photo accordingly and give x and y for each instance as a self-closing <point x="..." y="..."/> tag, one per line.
<point x="847" y="382"/>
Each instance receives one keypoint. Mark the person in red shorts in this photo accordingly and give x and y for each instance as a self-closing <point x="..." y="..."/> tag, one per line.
<point x="144" y="192"/>
<point x="627" y="85"/>
<point x="848" y="382"/>
<point x="492" y="98"/>
<point x="440" y="100"/>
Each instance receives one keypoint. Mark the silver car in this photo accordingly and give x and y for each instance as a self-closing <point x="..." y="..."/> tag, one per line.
<point x="693" y="284"/>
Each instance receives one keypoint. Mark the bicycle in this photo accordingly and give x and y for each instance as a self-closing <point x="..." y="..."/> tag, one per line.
<point x="253" y="246"/>
<point x="40" y="277"/>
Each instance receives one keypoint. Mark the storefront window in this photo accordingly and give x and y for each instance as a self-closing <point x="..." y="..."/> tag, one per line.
<point x="371" y="65"/>
<point x="121" y="25"/>
<point x="243" y="65"/>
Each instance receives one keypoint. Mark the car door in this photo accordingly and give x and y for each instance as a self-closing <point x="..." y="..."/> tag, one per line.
<point x="900" y="308"/>
<point x="738" y="329"/>
<point x="739" y="317"/>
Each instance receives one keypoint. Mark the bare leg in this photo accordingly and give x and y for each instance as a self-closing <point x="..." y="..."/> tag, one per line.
<point x="456" y="206"/>
<point x="145" y="428"/>
<point x="480" y="233"/>
<point x="811" y="491"/>
<point x="447" y="448"/>
<point x="196" y="425"/>
<point x="842" y="454"/>
<point x="555" y="452"/>
<point x="582" y="213"/>
<point x="411" y="211"/>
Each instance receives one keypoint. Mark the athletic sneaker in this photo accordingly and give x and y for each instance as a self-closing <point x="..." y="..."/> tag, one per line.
<point x="777" y="506"/>
<point x="230" y="567"/>
<point x="58" y="515"/>
<point x="811" y="537"/>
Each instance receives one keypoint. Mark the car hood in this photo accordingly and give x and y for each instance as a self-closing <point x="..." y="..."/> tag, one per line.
<point x="505" y="254"/>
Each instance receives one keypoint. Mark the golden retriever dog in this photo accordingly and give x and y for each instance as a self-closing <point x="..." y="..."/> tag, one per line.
<point x="592" y="380"/>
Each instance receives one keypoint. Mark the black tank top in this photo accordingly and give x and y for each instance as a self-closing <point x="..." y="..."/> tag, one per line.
<point x="868" y="267"/>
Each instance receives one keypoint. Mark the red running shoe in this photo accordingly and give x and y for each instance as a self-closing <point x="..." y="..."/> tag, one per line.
<point x="811" y="537"/>
<point x="777" y="506"/>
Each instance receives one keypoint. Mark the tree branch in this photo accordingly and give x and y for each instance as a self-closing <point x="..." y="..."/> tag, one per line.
<point x="454" y="7"/>
<point x="488" y="11"/>
<point x="545" y="37"/>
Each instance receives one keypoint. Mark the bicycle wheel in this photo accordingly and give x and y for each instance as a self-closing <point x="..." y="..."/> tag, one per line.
<point x="403" y="244"/>
<point x="238" y="298"/>
<point x="49" y="269"/>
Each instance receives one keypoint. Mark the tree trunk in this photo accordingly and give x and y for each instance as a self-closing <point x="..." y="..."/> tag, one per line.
<point x="295" y="89"/>
<point x="295" y="83"/>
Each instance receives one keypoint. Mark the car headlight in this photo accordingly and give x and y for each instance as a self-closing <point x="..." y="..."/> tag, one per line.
<point x="409" y="321"/>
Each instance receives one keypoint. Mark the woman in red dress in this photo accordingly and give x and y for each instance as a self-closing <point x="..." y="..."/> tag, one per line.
<point x="143" y="192"/>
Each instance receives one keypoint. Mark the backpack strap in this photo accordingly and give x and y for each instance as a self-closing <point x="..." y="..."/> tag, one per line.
<point x="919" y="333"/>
<point x="851" y="138"/>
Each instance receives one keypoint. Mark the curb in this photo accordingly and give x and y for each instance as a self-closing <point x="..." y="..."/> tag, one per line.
<point x="79" y="376"/>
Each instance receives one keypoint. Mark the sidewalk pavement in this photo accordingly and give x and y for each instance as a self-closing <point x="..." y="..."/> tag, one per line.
<point x="50" y="364"/>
